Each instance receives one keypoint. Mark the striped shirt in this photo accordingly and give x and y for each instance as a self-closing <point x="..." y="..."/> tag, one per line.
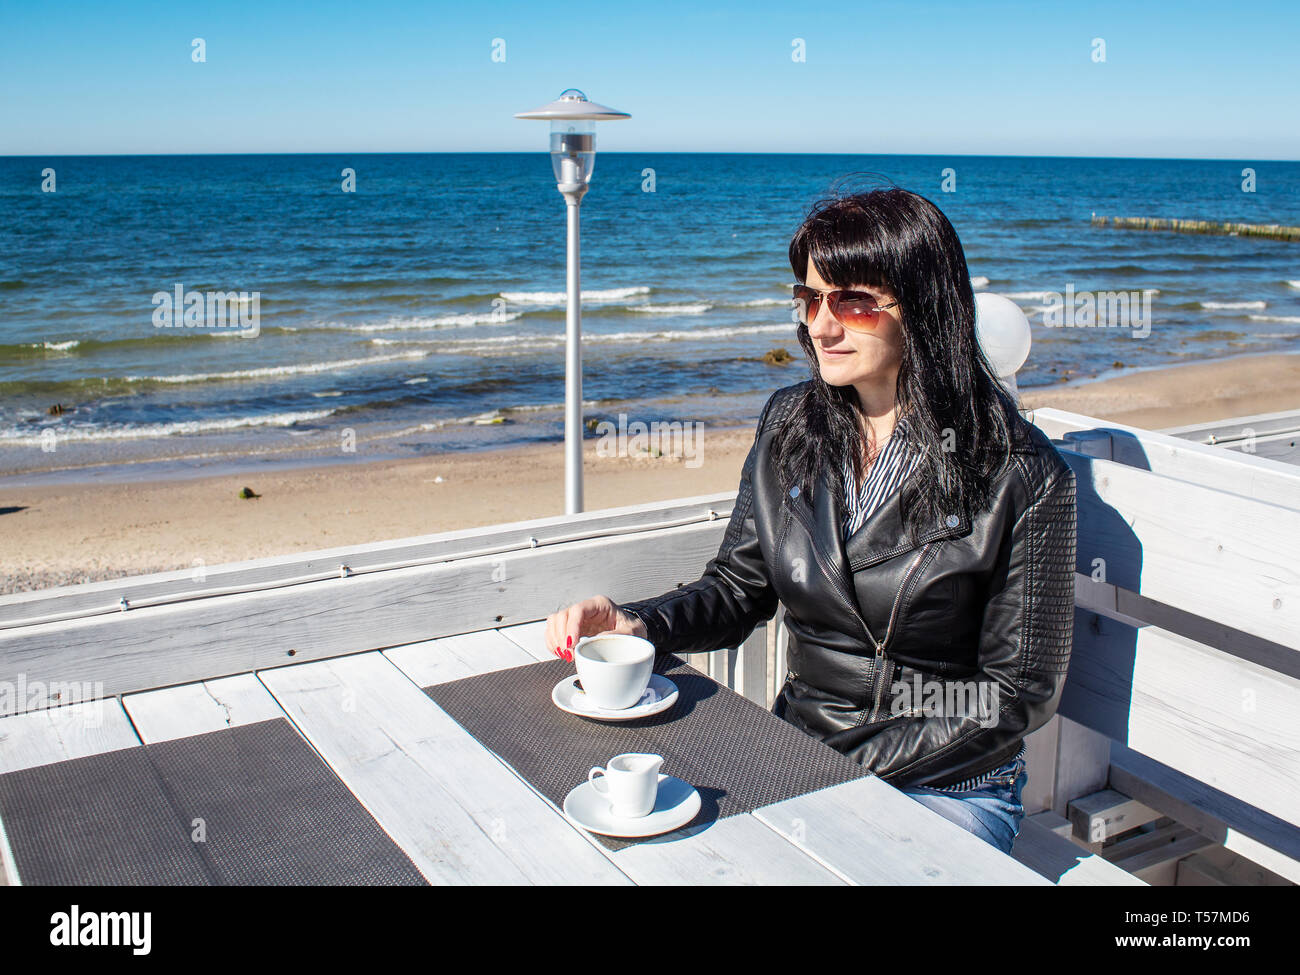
<point x="896" y="461"/>
<point x="973" y="784"/>
<point x="893" y="465"/>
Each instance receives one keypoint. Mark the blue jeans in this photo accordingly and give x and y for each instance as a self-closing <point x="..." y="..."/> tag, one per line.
<point x="991" y="809"/>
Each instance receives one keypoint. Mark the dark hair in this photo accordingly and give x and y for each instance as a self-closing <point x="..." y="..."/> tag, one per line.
<point x="896" y="240"/>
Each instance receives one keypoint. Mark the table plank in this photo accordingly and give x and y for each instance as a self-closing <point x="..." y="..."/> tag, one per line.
<point x="56" y="734"/>
<point x="531" y="637"/>
<point x="1056" y="856"/>
<point x="453" y="657"/>
<point x="461" y="815"/>
<point x="737" y="850"/>
<point x="868" y="832"/>
<point x="195" y="709"/>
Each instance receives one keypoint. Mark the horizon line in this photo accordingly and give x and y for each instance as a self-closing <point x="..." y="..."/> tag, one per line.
<point x="628" y="152"/>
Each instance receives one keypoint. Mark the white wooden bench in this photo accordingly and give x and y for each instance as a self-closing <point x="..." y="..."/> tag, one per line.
<point x="1184" y="684"/>
<point x="1183" y="691"/>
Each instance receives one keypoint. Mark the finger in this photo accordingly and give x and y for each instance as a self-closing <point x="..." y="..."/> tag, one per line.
<point x="553" y="633"/>
<point x="567" y="622"/>
<point x="548" y="635"/>
<point x="575" y="626"/>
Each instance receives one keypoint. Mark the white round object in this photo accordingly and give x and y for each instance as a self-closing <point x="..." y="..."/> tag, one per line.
<point x="660" y="695"/>
<point x="1003" y="333"/>
<point x="615" y="668"/>
<point x="676" y="804"/>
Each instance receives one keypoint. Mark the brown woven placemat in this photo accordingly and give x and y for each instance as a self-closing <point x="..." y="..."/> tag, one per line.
<point x="738" y="755"/>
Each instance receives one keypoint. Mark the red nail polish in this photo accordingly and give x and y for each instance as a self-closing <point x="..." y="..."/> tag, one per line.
<point x="569" y="642"/>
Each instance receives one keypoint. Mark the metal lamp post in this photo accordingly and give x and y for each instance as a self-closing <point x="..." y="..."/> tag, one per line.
<point x="573" y="155"/>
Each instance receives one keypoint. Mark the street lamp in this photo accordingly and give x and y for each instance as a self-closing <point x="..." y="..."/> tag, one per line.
<point x="573" y="155"/>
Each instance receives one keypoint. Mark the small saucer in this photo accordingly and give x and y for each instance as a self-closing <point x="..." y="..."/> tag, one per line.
<point x="676" y="804"/>
<point x="660" y="695"/>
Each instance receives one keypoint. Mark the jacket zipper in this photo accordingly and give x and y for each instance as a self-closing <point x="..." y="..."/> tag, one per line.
<point x="836" y="575"/>
<point x="882" y="679"/>
<point x="924" y="540"/>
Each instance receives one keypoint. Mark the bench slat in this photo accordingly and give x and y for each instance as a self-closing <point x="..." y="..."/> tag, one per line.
<point x="1222" y="556"/>
<point x="1225" y="721"/>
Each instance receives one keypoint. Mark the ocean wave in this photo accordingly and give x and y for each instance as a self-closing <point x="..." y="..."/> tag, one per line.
<point x="512" y="349"/>
<point x="513" y="342"/>
<point x="609" y="306"/>
<point x="562" y="297"/>
<point x="1232" y="305"/>
<point x="537" y="407"/>
<point x="362" y="283"/>
<point x="445" y="321"/>
<point x="145" y="431"/>
<point x="1293" y="284"/>
<point x="979" y="281"/>
<point x="1285" y="319"/>
<point x="1119" y="270"/>
<point x="690" y="333"/>
<point x="1044" y="295"/>
<point x="301" y="369"/>
<point x="698" y="308"/>
<point x="496" y="345"/>
<point x="90" y="346"/>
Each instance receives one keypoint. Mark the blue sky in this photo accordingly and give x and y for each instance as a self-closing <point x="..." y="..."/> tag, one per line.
<point x="1199" y="80"/>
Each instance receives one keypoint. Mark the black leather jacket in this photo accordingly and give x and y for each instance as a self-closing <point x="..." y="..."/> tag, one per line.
<point x="985" y="603"/>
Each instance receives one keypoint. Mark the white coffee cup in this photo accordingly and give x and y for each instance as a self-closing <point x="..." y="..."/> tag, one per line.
<point x="631" y="783"/>
<point x="614" y="668"/>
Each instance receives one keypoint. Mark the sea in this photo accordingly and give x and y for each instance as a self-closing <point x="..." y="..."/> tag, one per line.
<point x="389" y="306"/>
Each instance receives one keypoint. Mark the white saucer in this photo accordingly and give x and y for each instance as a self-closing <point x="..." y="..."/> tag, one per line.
<point x="660" y="695"/>
<point x="676" y="804"/>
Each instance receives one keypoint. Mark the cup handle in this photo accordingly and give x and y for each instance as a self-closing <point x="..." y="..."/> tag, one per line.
<point x="591" y="778"/>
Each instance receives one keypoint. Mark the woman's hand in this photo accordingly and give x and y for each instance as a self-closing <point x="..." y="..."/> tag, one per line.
<point x="598" y="614"/>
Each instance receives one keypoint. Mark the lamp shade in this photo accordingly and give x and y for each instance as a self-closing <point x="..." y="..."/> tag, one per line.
<point x="572" y="105"/>
<point x="573" y="121"/>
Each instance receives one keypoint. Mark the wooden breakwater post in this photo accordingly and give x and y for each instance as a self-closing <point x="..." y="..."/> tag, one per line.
<point x="1273" y="231"/>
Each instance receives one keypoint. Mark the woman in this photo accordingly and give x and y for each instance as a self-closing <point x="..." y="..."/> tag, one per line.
<point x="919" y="532"/>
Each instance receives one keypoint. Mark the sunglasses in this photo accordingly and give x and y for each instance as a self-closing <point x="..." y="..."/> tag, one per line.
<point x="855" y="310"/>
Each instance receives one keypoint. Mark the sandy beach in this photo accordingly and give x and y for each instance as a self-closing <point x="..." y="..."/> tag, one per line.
<point x="67" y="534"/>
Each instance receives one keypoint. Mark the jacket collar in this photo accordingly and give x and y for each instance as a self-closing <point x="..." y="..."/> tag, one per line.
<point x="882" y="536"/>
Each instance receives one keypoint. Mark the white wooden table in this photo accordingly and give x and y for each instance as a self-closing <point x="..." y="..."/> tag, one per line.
<point x="464" y="816"/>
